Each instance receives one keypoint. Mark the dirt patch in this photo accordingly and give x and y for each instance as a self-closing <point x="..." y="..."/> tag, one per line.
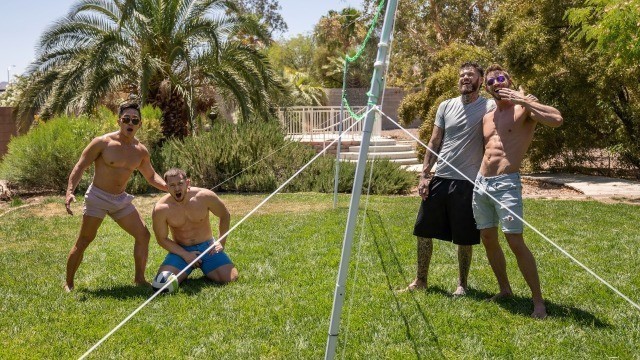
<point x="51" y="209"/>
<point x="6" y="207"/>
<point x="538" y="189"/>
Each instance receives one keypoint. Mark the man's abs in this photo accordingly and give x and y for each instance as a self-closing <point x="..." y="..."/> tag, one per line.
<point x="112" y="179"/>
<point x="191" y="234"/>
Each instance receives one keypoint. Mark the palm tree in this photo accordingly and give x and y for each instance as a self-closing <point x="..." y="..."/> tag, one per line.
<point x="301" y="91"/>
<point x="161" y="50"/>
<point x="338" y="34"/>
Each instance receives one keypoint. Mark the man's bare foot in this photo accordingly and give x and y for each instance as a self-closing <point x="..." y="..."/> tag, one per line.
<point x="501" y="295"/>
<point x="68" y="288"/>
<point x="539" y="311"/>
<point x="415" y="285"/>
<point x="460" y="291"/>
<point x="143" y="283"/>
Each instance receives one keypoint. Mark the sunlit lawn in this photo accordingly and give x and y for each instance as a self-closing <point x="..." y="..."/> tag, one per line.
<point x="288" y="256"/>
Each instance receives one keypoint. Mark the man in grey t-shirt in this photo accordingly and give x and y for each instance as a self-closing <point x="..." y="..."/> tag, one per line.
<point x="445" y="212"/>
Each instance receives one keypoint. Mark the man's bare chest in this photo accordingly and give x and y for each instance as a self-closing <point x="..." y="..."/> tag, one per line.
<point x="508" y="124"/>
<point x="188" y="215"/>
<point x="121" y="156"/>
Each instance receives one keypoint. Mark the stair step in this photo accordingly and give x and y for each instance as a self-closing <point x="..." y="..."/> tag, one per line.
<point x="382" y="142"/>
<point x="384" y="148"/>
<point x="411" y="143"/>
<point x="404" y="162"/>
<point x="386" y="155"/>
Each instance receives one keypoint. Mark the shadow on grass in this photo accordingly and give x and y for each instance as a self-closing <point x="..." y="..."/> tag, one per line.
<point x="191" y="286"/>
<point x="521" y="305"/>
<point x="404" y="313"/>
<point x="516" y="304"/>
<point x="119" y="292"/>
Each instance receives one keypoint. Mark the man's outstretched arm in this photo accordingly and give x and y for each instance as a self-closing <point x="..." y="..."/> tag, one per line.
<point x="544" y="114"/>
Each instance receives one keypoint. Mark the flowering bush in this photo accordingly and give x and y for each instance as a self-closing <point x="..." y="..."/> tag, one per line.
<point x="9" y="97"/>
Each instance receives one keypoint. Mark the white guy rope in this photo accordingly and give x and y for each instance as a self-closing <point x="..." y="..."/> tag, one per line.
<point x="523" y="221"/>
<point x="211" y="247"/>
<point x="18" y="208"/>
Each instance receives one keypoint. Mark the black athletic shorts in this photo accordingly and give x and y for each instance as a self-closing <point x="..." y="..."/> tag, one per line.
<point x="447" y="213"/>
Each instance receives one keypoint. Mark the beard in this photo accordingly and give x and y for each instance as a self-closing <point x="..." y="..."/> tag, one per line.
<point x="466" y="89"/>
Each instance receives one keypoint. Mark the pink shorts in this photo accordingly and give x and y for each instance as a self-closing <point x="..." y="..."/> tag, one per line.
<point x="98" y="203"/>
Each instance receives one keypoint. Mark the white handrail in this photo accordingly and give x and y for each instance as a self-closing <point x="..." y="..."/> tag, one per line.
<point x="318" y="120"/>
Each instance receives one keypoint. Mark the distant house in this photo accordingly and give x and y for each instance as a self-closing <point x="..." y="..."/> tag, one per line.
<point x="3" y="86"/>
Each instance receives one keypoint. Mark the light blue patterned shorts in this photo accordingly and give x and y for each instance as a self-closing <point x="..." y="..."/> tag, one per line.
<point x="507" y="190"/>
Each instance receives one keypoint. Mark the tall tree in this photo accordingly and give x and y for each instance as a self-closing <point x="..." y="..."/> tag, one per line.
<point x="597" y="96"/>
<point x="592" y="76"/>
<point x="162" y="50"/>
<point x="337" y="34"/>
<point x="425" y="27"/>
<point x="612" y="29"/>
<point x="267" y="11"/>
<point x="611" y="26"/>
<point x="295" y="53"/>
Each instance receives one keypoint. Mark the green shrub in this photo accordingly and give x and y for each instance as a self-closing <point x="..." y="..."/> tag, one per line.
<point x="138" y="184"/>
<point x="230" y="150"/>
<point x="43" y="158"/>
<point x="388" y="177"/>
<point x="150" y="134"/>
<point x="255" y="157"/>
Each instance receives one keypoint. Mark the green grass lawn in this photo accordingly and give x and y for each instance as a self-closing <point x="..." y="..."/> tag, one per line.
<point x="288" y="256"/>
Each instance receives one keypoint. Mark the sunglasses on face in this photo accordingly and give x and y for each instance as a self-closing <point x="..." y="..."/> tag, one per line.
<point x="133" y="120"/>
<point x="500" y="79"/>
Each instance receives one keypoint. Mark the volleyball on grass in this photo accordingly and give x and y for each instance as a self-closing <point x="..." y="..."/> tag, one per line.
<point x="163" y="278"/>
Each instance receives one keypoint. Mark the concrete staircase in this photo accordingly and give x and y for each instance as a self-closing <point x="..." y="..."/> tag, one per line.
<point x="401" y="152"/>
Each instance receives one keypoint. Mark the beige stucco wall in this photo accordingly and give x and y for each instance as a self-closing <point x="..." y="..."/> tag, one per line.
<point x="358" y="97"/>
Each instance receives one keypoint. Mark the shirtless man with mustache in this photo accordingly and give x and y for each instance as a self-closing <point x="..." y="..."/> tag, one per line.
<point x="116" y="156"/>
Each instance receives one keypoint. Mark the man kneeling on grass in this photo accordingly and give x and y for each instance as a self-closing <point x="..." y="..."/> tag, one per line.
<point x="185" y="210"/>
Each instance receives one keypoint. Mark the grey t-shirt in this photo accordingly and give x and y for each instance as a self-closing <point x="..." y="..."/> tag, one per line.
<point x="462" y="144"/>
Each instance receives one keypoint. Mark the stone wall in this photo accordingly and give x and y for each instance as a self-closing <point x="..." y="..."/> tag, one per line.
<point x="358" y="97"/>
<point x="7" y="128"/>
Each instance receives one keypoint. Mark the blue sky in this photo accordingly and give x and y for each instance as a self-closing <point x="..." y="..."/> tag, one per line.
<point x="24" y="20"/>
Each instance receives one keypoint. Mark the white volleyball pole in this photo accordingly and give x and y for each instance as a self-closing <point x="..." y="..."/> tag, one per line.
<point x="374" y="95"/>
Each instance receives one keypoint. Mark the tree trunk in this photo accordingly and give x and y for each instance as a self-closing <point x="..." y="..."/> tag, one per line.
<point x="175" y="115"/>
<point x="621" y="105"/>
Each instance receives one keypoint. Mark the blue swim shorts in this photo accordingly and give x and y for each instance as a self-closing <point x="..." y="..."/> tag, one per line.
<point x="507" y="190"/>
<point x="209" y="262"/>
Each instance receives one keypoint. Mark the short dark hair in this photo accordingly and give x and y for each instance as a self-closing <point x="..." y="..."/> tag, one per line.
<point x="496" y="67"/>
<point x="174" y="172"/>
<point x="475" y="65"/>
<point x="129" y="105"/>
